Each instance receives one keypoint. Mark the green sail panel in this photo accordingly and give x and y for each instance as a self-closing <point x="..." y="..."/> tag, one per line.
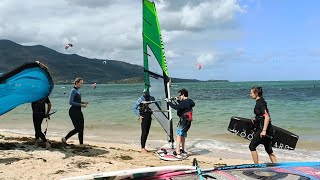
<point x="155" y="68"/>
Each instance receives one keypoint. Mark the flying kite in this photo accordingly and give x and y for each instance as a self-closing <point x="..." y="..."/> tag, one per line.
<point x="199" y="66"/>
<point x="67" y="46"/>
<point x="94" y="85"/>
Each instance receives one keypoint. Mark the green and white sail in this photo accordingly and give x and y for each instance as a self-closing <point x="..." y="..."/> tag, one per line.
<point x="156" y="76"/>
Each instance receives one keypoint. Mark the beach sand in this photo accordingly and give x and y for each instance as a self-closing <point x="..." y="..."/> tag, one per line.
<point x="20" y="159"/>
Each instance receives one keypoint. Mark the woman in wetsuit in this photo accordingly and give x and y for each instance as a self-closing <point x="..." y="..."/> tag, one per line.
<point x="145" y="120"/>
<point x="75" y="112"/>
<point x="263" y="127"/>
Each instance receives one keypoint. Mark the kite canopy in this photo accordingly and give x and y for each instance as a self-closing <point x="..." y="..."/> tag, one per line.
<point x="199" y="66"/>
<point x="24" y="84"/>
<point x="68" y="45"/>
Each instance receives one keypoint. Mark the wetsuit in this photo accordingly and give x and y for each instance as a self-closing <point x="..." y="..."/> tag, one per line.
<point x="76" y="115"/>
<point x="146" y="113"/>
<point x="259" y="111"/>
<point x="39" y="113"/>
<point x="182" y="107"/>
<point x="136" y="106"/>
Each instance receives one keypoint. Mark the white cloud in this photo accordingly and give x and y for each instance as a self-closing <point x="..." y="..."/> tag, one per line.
<point x="170" y="54"/>
<point x="110" y="29"/>
<point x="210" y="13"/>
<point x="207" y="59"/>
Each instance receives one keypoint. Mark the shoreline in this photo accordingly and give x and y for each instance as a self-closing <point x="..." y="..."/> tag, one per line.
<point x="20" y="155"/>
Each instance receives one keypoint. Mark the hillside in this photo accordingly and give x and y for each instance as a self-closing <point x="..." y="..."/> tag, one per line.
<point x="64" y="68"/>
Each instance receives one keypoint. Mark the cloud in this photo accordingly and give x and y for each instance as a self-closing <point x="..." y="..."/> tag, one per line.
<point x="91" y="4"/>
<point x="198" y="15"/>
<point x="207" y="59"/>
<point x="110" y="29"/>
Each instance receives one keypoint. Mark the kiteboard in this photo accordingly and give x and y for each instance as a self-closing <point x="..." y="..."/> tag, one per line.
<point x="166" y="153"/>
<point x="282" y="138"/>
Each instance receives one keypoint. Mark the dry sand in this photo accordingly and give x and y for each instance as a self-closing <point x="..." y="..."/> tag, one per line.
<point x="20" y="159"/>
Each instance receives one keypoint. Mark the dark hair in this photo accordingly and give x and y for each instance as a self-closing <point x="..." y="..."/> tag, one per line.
<point x="257" y="90"/>
<point x="77" y="80"/>
<point x="146" y="96"/>
<point x="184" y="92"/>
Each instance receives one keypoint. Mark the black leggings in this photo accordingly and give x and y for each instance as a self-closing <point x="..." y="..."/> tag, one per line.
<point x="78" y="123"/>
<point x="37" y="121"/>
<point x="266" y="141"/>
<point x="145" y="127"/>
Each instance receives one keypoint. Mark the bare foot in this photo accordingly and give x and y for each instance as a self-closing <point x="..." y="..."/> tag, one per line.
<point x="143" y="150"/>
<point x="48" y="145"/>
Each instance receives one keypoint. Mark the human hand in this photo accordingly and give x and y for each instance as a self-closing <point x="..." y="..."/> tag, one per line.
<point x="253" y="119"/>
<point x="263" y="134"/>
<point x="47" y="116"/>
<point x="84" y="105"/>
<point x="140" y="119"/>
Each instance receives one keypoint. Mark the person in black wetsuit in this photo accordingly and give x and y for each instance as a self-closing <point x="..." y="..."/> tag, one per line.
<point x="75" y="112"/>
<point x="145" y="119"/>
<point x="39" y="113"/>
<point x="184" y="106"/>
<point x="263" y="127"/>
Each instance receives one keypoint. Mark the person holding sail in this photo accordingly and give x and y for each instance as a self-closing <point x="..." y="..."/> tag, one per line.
<point x="141" y="108"/>
<point x="184" y="111"/>
<point x="39" y="112"/>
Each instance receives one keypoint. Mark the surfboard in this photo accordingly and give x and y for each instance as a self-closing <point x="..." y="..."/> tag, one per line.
<point x="141" y="173"/>
<point x="166" y="153"/>
<point x="286" y="171"/>
<point x="282" y="139"/>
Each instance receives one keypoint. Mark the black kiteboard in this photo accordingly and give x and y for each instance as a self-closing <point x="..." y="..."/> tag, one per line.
<point x="282" y="138"/>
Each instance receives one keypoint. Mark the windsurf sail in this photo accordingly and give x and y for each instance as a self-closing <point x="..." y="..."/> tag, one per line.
<point x="25" y="84"/>
<point x="156" y="76"/>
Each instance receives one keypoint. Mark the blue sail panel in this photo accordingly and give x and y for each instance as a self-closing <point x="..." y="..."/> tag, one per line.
<point x="25" y="84"/>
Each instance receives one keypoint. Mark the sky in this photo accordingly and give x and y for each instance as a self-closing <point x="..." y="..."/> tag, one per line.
<point x="236" y="40"/>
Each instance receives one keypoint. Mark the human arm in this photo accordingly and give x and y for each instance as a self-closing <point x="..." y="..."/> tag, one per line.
<point x="266" y="121"/>
<point x="135" y="107"/>
<point x="73" y="92"/>
<point x="49" y="105"/>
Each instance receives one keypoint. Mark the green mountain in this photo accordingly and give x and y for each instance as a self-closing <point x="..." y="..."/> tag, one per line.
<point x="64" y="68"/>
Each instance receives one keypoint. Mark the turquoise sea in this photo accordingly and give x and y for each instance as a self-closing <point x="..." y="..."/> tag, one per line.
<point x="293" y="105"/>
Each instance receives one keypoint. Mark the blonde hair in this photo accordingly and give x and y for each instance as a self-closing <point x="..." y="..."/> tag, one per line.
<point x="77" y="80"/>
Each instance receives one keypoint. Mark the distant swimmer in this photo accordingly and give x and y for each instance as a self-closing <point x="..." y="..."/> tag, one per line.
<point x="144" y="112"/>
<point x="262" y="126"/>
<point x="184" y="111"/>
<point x="75" y="112"/>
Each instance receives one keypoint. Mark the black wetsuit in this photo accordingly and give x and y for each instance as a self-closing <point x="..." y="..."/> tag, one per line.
<point x="259" y="110"/>
<point x="76" y="115"/>
<point x="39" y="113"/>
<point x="182" y="107"/>
<point x="146" y="113"/>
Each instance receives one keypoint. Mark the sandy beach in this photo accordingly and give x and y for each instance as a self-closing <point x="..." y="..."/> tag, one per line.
<point x="20" y="159"/>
